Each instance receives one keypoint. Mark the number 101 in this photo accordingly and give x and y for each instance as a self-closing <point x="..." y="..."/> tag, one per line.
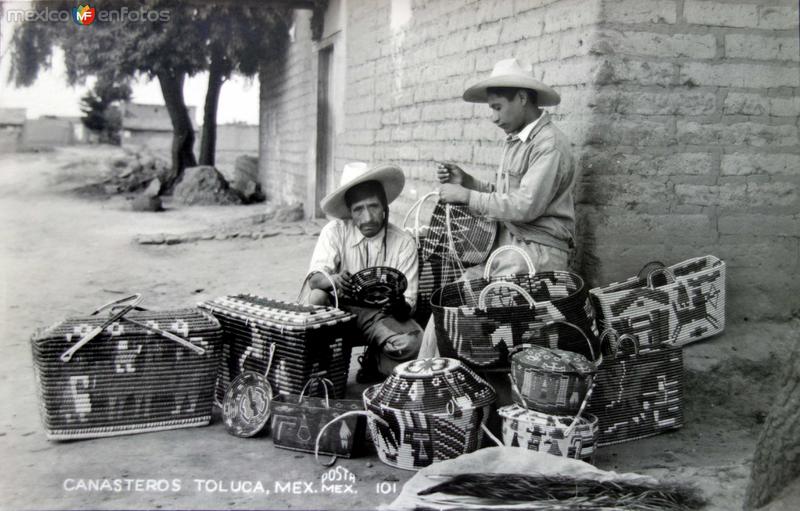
<point x="385" y="487"/>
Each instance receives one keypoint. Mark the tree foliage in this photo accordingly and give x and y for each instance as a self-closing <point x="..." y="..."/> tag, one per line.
<point x="223" y="38"/>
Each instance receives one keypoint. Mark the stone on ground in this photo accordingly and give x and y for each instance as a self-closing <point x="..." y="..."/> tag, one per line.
<point x="204" y="185"/>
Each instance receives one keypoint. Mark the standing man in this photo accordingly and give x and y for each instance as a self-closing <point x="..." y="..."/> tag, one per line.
<point x="532" y="196"/>
<point x="360" y="237"/>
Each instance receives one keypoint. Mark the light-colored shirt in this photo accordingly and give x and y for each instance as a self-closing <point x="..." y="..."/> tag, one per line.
<point x="342" y="247"/>
<point x="534" y="187"/>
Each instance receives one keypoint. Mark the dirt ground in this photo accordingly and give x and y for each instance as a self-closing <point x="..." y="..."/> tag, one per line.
<point x="64" y="254"/>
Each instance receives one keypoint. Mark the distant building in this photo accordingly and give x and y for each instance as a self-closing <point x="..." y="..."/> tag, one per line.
<point x="12" y="121"/>
<point x="49" y="131"/>
<point x="149" y="127"/>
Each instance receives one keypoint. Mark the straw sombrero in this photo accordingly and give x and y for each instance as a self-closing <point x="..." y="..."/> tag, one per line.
<point x="390" y="176"/>
<point x="511" y="73"/>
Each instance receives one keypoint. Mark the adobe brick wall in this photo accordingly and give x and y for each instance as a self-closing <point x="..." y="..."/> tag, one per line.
<point x="693" y="146"/>
<point x="682" y="113"/>
<point x="287" y="113"/>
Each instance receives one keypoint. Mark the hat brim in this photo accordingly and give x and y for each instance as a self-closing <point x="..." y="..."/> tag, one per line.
<point x="391" y="177"/>
<point x="545" y="95"/>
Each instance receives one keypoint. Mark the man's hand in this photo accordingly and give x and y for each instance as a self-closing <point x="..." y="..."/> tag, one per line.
<point x="344" y="284"/>
<point x="453" y="194"/>
<point x="450" y="173"/>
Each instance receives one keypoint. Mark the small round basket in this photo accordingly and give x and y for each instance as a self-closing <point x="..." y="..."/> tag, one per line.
<point x="551" y="380"/>
<point x="378" y="285"/>
<point x="559" y="435"/>
<point x="428" y="410"/>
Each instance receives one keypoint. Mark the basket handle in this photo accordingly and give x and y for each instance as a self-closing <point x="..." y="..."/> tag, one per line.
<point x="649" y="267"/>
<point x="490" y="435"/>
<point x="168" y="335"/>
<point x="502" y="283"/>
<point x="352" y="413"/>
<point x="504" y="248"/>
<point x="615" y="342"/>
<point x="330" y="279"/>
<point x="665" y="271"/>
<point x="131" y="302"/>
<point x="325" y="382"/>
<point x="583" y="334"/>
<point x="416" y="208"/>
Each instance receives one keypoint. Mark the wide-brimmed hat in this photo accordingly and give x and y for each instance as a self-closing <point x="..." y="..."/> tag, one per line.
<point x="355" y="173"/>
<point x="512" y="73"/>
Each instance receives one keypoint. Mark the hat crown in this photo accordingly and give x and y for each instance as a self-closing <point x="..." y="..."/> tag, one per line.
<point x="353" y="171"/>
<point x="512" y="67"/>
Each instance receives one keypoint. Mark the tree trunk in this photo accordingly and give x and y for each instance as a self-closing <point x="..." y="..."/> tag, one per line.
<point x="777" y="458"/>
<point x="208" y="141"/>
<point x="182" y="131"/>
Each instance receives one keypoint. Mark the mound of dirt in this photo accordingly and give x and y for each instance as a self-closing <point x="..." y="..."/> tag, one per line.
<point x="204" y="185"/>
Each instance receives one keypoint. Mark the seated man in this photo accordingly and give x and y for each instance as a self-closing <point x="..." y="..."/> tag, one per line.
<point x="360" y="238"/>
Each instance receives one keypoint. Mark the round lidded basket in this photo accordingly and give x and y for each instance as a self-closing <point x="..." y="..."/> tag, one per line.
<point x="551" y="380"/>
<point x="428" y="410"/>
<point x="377" y="285"/>
<point x="554" y="434"/>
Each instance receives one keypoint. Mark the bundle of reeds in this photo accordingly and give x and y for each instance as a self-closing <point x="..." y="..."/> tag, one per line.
<point x="560" y="492"/>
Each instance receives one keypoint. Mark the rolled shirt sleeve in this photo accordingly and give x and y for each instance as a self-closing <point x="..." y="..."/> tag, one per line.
<point x="530" y="200"/>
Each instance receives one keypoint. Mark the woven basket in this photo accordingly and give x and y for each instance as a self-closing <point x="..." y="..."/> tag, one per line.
<point x="550" y="380"/>
<point x="553" y="434"/>
<point x="378" y="285"/>
<point x="479" y="321"/>
<point x="676" y="304"/>
<point x="440" y="417"/>
<point x="309" y="341"/>
<point x="638" y="392"/>
<point x="133" y="372"/>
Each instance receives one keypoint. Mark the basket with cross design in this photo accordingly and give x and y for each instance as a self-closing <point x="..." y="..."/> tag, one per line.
<point x="131" y="371"/>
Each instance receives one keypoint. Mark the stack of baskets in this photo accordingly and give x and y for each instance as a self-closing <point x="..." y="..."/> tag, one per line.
<point x="551" y="390"/>
<point x="428" y="410"/>
<point x="136" y="372"/>
<point x="309" y="341"/>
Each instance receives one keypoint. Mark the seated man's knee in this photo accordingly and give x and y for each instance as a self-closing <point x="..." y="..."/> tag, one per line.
<point x="319" y="297"/>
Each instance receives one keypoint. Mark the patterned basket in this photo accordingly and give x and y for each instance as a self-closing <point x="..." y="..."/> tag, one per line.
<point x="676" y="304"/>
<point x="553" y="434"/>
<point x="481" y="320"/>
<point x="309" y="341"/>
<point x="433" y="274"/>
<point x="432" y="410"/>
<point x="637" y="393"/>
<point x="133" y="372"/>
<point x="378" y="285"/>
<point x="550" y="380"/>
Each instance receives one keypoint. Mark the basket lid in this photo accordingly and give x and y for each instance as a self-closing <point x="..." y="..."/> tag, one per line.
<point x="553" y="360"/>
<point x="434" y="385"/>
<point x="289" y="315"/>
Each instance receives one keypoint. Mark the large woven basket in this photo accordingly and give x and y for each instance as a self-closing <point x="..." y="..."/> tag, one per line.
<point x="429" y="410"/>
<point x="553" y="434"/>
<point x="136" y="371"/>
<point x="479" y="321"/>
<point x="677" y="304"/>
<point x="309" y="341"/>
<point x="638" y="392"/>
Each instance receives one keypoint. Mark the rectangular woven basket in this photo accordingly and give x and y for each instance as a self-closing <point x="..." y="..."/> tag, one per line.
<point x="688" y="306"/>
<point x="127" y="379"/>
<point x="309" y="341"/>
